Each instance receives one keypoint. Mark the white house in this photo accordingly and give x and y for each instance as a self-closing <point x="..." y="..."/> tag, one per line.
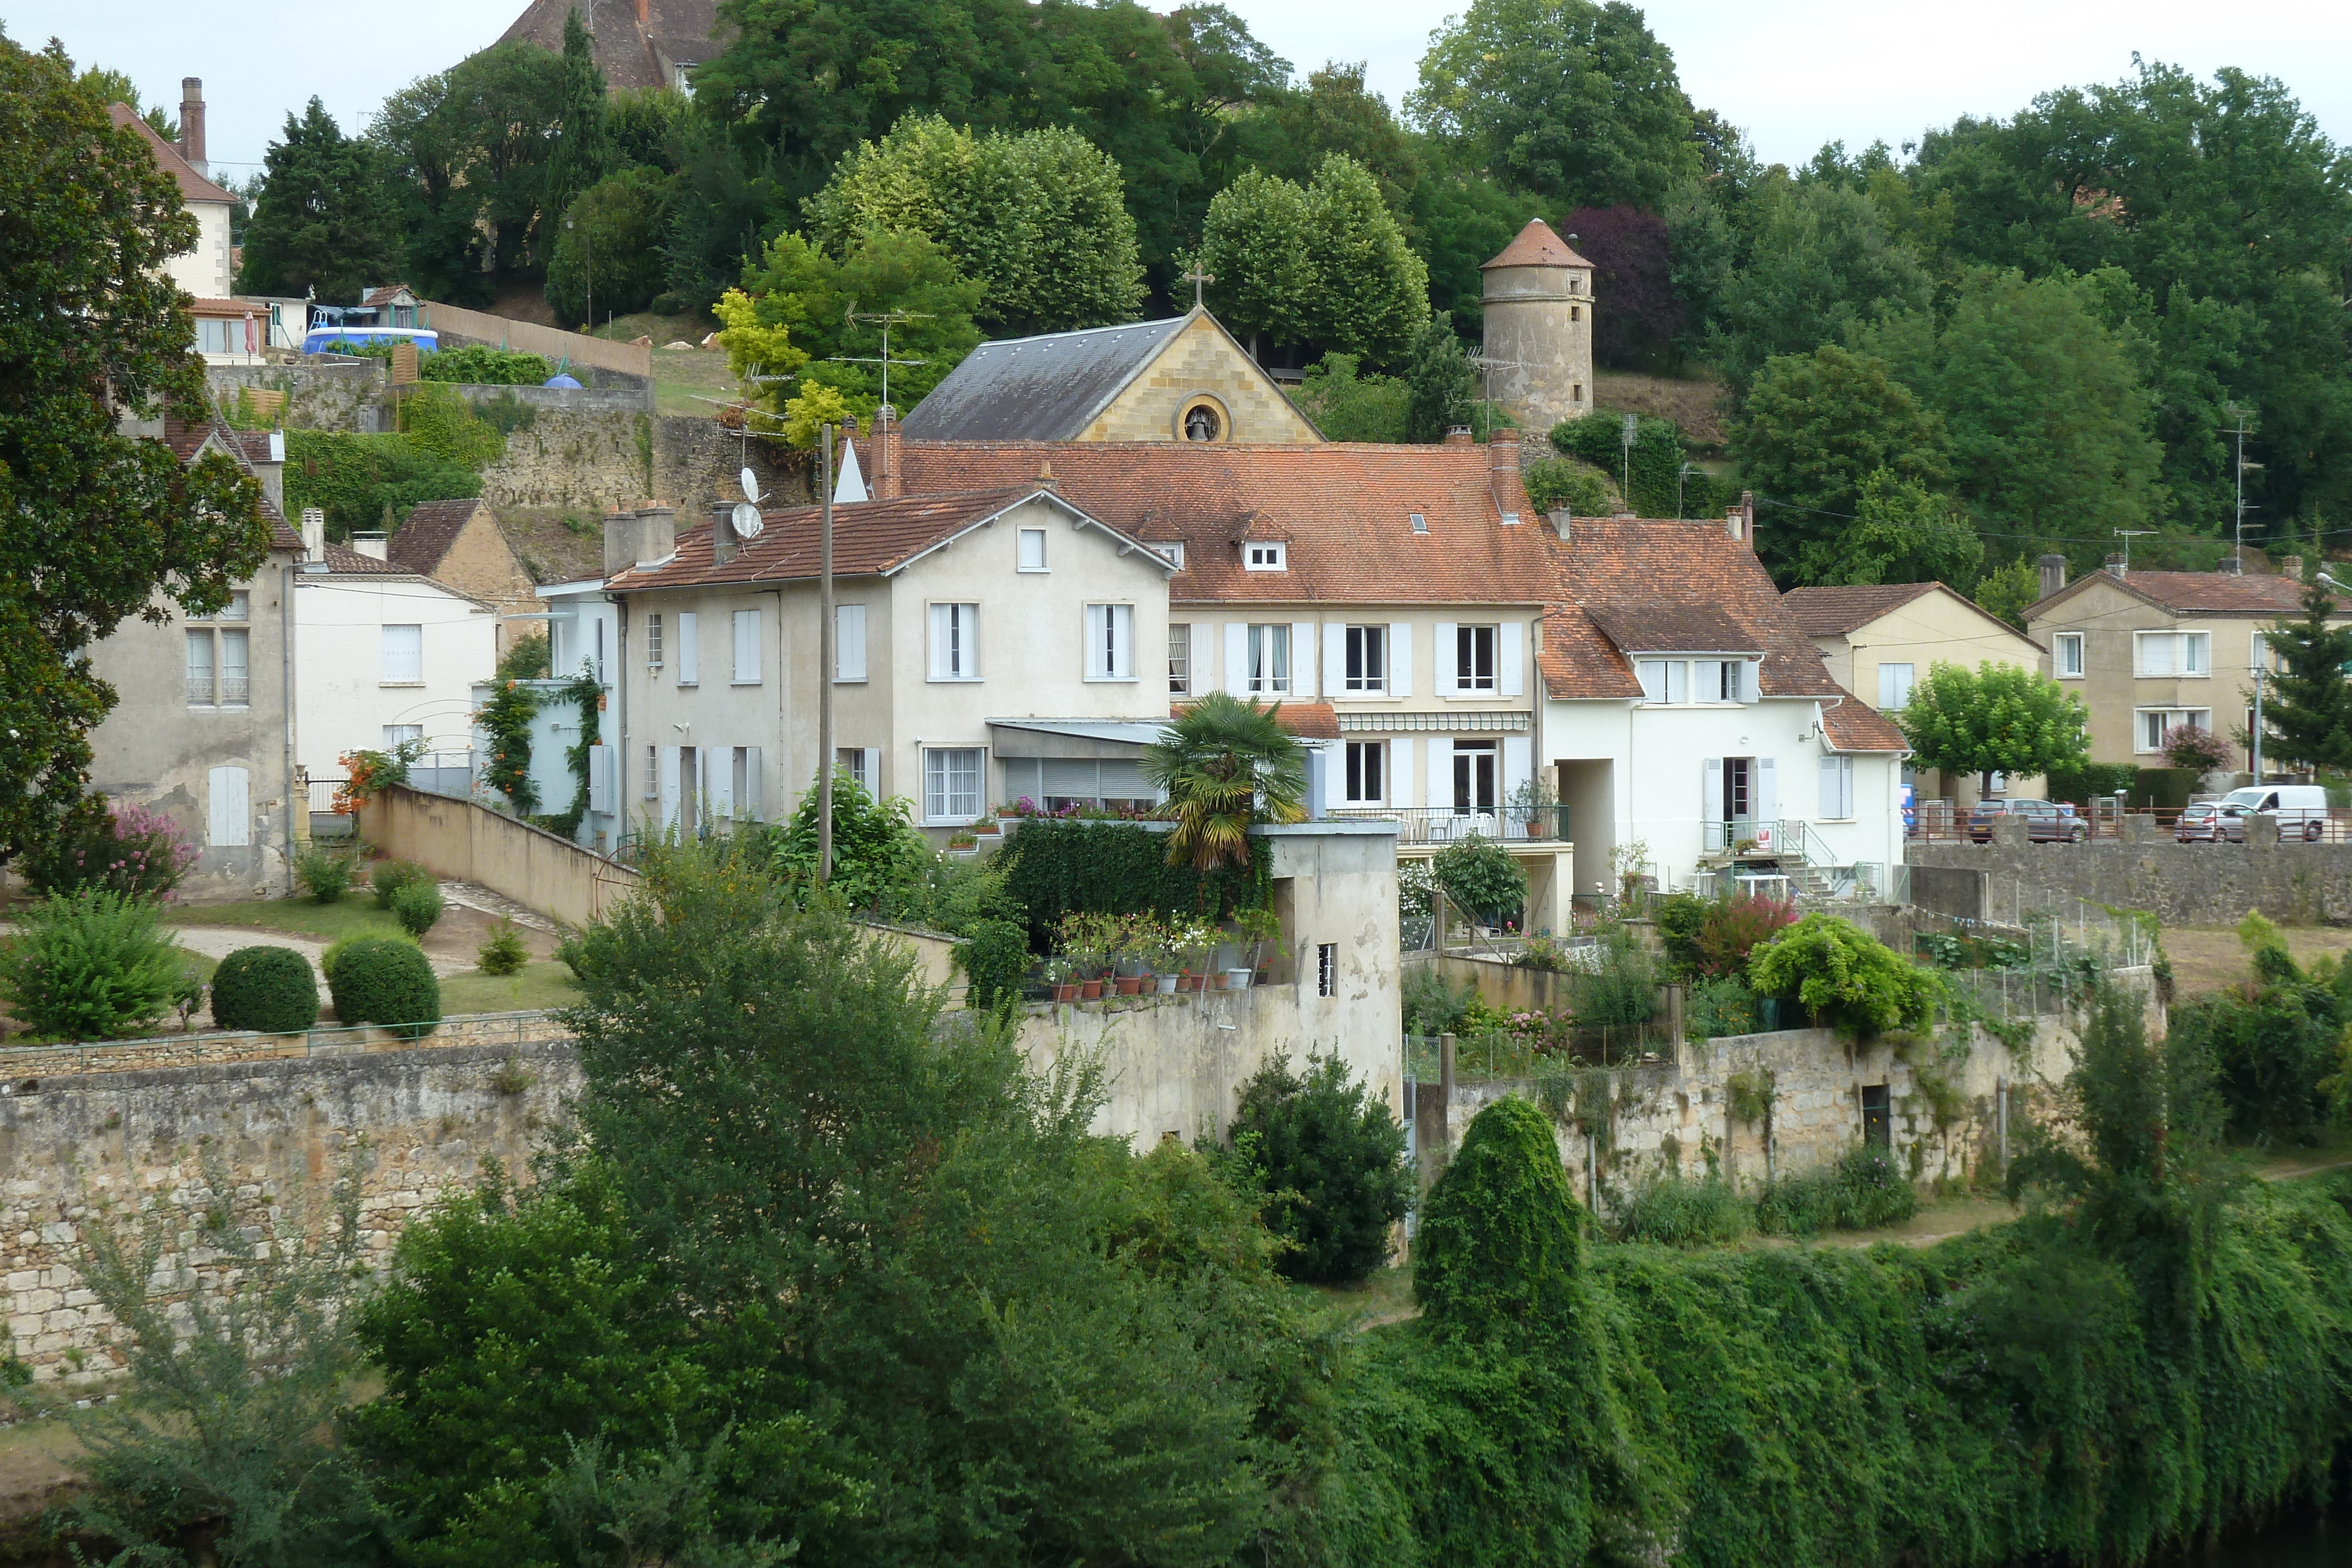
<point x="383" y="655"/>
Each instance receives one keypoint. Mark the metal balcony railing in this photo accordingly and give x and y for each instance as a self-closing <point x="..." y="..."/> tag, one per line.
<point x="200" y="691"/>
<point x="235" y="690"/>
<point x="1444" y="825"/>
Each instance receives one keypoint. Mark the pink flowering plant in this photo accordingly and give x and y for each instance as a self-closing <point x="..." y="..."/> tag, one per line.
<point x="123" y="848"/>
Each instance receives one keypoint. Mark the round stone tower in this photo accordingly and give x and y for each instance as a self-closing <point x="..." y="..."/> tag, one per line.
<point x="1538" y="354"/>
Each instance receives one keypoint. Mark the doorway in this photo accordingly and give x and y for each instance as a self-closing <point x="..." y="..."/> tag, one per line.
<point x="1474" y="777"/>
<point x="1877" y="1122"/>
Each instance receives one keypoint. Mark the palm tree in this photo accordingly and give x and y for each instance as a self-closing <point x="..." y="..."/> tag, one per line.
<point x="1223" y="764"/>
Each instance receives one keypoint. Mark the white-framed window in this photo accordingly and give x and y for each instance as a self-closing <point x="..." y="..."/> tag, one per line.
<point x="1110" y="642"/>
<point x="1664" y="680"/>
<point x="240" y="606"/>
<point x="1269" y="659"/>
<point x="1837" y="789"/>
<point x="955" y="642"/>
<point x="403" y="655"/>
<point x="1180" y="658"/>
<point x="402" y="734"/>
<point x="849" y="642"/>
<point x="2258" y="652"/>
<point x="1327" y="969"/>
<point x="2066" y="655"/>
<point x="1031" y="554"/>
<point x="654" y="641"/>
<point x="2175" y="653"/>
<point x="1173" y="551"/>
<point x="653" y="773"/>
<point x="1474" y="658"/>
<point x="236" y="668"/>
<point x="849" y="761"/>
<point x="1895" y="688"/>
<point x="1366" y="773"/>
<point x="951" y="783"/>
<point x="1476" y="773"/>
<point x="2151" y="724"/>
<point x="689" y="649"/>
<point x="200" y="670"/>
<point x="1266" y="555"/>
<point x="1367" y="659"/>
<point x="747" y="648"/>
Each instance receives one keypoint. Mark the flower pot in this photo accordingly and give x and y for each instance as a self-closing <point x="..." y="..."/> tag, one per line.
<point x="1131" y="985"/>
<point x="1066" y="993"/>
<point x="1216" y="982"/>
<point x="1237" y="979"/>
<point x="1090" y="991"/>
<point x="1187" y="982"/>
<point x="1166" y="984"/>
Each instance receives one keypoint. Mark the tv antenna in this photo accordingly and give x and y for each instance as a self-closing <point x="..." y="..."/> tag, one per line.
<point x="888" y="319"/>
<point x="2127" y="535"/>
<point x="2242" y="466"/>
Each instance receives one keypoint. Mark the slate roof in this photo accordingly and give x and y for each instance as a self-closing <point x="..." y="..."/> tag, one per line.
<point x="1834" y="611"/>
<point x="1037" y="388"/>
<point x="193" y="187"/>
<point x="1345" y="507"/>
<point x="623" y="47"/>
<point x="870" y="538"/>
<point x="2198" y="593"/>
<point x="1538" y="245"/>
<point x="429" y="531"/>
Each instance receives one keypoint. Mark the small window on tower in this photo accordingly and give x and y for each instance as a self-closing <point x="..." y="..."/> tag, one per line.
<point x="1576" y="312"/>
<point x="1576" y="392"/>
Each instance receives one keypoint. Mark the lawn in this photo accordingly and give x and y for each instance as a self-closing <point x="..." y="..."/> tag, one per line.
<point x="353" y="915"/>
<point x="544" y="985"/>
<point x="2207" y="957"/>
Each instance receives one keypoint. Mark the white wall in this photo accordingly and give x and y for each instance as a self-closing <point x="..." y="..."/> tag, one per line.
<point x="205" y="271"/>
<point x="342" y="699"/>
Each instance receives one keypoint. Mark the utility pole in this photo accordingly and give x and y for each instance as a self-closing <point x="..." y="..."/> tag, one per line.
<point x="824" y="656"/>
<point x="1632" y="429"/>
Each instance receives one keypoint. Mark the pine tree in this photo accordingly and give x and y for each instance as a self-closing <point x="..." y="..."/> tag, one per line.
<point x="322" y="221"/>
<point x="578" y="159"/>
<point x="2307" y="711"/>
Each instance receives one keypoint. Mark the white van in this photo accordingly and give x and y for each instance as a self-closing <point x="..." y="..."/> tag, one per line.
<point x="2301" y="808"/>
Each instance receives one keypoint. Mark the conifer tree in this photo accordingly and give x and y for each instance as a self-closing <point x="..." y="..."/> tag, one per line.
<point x="2307" y="710"/>
<point x="323" y="222"/>
<point x="577" y="161"/>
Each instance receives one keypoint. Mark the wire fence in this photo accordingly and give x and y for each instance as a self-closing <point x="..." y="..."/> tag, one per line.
<point x="1502" y="1055"/>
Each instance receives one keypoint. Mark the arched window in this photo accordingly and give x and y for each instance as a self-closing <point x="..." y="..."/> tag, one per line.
<point x="1201" y="424"/>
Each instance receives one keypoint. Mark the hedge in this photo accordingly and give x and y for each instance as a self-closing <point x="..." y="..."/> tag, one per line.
<point x="270" y="989"/>
<point x="1055" y="866"/>
<point x="379" y="979"/>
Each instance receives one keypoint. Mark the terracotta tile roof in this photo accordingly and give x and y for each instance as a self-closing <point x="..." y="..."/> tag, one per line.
<point x="1854" y="726"/>
<point x="1538" y="245"/>
<point x="193" y="187"/>
<point x="623" y="43"/>
<point x="1834" y="611"/>
<point x="1345" y="507"/>
<point x="2208" y="592"/>
<point x="233" y="309"/>
<point x="869" y="538"/>
<point x="387" y="294"/>
<point x="1307" y="720"/>
<point x="1667" y="587"/>
<point x="344" y="562"/>
<point x="429" y="531"/>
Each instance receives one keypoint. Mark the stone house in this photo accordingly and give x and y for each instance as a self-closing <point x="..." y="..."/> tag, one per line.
<point x="459" y="544"/>
<point x="2149" y="652"/>
<point x="1879" y="639"/>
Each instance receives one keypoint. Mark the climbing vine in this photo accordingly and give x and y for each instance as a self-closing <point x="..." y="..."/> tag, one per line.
<point x="505" y="721"/>
<point x="584" y="692"/>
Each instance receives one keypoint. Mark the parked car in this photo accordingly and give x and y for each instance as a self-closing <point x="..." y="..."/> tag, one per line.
<point x="2209" y="823"/>
<point x="2046" y="821"/>
<point x="2301" y="808"/>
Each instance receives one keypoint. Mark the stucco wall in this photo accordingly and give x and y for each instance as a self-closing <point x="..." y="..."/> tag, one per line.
<point x="205" y="271"/>
<point x="1539" y="339"/>
<point x="2181" y="885"/>
<point x="343" y="699"/>
<point x="2107" y="616"/>
<point x="461" y="841"/>
<point x="1202" y="359"/>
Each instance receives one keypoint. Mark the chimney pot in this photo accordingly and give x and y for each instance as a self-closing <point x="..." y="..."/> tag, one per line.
<point x="638" y="538"/>
<point x="1503" y="478"/>
<point x="888" y="484"/>
<point x="2292" y="567"/>
<point x="2054" y="573"/>
<point x="191" y="124"/>
<point x="723" y="542"/>
<point x="1747" y="516"/>
<point x="2116" y="567"/>
<point x="375" y="546"/>
<point x="314" y="534"/>
<point x="1457" y="436"/>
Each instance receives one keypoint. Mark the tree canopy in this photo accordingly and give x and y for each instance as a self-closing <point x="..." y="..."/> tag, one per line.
<point x="1994" y="718"/>
<point x="1326" y="264"/>
<point x="2307" y="717"/>
<point x="1815" y="427"/>
<point x="323" y="222"/>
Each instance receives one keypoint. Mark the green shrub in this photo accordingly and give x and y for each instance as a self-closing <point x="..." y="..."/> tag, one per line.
<point x="1481" y="879"/>
<point x="1054" y="867"/>
<point x="323" y="873"/>
<point x="1863" y="1191"/>
<point x="994" y="957"/>
<point x="417" y="906"/>
<point x="270" y="989"/>
<point x="88" y="966"/>
<point x="124" y="847"/>
<point x="1499" y="1244"/>
<point x="1328" y="1161"/>
<point x="1680" y="1213"/>
<point x="381" y="980"/>
<point x="1432" y="1006"/>
<point x="1566" y="482"/>
<point x="1679" y="917"/>
<point x="481" y="365"/>
<point x="1719" y="1007"/>
<point x="1844" y="977"/>
<point x="503" y="952"/>
<point x="1623" y="990"/>
<point x="388" y="877"/>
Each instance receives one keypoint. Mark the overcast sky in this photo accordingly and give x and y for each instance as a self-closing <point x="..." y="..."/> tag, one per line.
<point x="1792" y="73"/>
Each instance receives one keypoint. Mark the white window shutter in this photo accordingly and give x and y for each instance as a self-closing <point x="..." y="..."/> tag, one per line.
<point x="1767" y="791"/>
<point x="1237" y="658"/>
<point x="1400" y="772"/>
<point x="1517" y="751"/>
<point x="1750" y="671"/>
<point x="669" y="786"/>
<point x="1098" y="619"/>
<point x="940" y="633"/>
<point x="1513" y="653"/>
<point x="1335" y="658"/>
<point x="1332" y="761"/>
<point x="1828" y="810"/>
<point x="600" y="779"/>
<point x="1401" y="659"/>
<point x="689" y="649"/>
<point x="874" y="771"/>
<point x="718" y="782"/>
<point x="1446" y="664"/>
<point x="1302" y="659"/>
<point x="1710" y="800"/>
<point x="849" y="642"/>
<point x="228" y="808"/>
<point x="1441" y="774"/>
<point x="748" y="799"/>
<point x="1122" y="641"/>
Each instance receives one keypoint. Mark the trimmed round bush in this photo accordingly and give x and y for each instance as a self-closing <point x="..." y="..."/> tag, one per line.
<point x="1330" y="1161"/>
<point x="270" y="989"/>
<point x="416" y="906"/>
<point x="380" y="979"/>
<point x="388" y="877"/>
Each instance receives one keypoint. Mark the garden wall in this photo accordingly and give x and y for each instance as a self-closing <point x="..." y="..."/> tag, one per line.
<point x="459" y="841"/>
<point x="2181" y="885"/>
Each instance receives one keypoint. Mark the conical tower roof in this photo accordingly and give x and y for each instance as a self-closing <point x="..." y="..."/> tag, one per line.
<point x="1537" y="245"/>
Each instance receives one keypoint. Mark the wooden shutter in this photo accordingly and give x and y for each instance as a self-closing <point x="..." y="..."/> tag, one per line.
<point x="1767" y="791"/>
<point x="874" y="771"/>
<point x="1441" y="775"/>
<point x="228" y="808"/>
<point x="669" y="784"/>
<point x="1335" y="658"/>
<point x="849" y="642"/>
<point x="719" y="781"/>
<point x="1400" y="653"/>
<point x="600" y="779"/>
<point x="1517" y="750"/>
<point x="1710" y="800"/>
<point x="1302" y="659"/>
<point x="1511" y="655"/>
<point x="1446" y="664"/>
<point x="689" y="649"/>
<point x="1237" y="658"/>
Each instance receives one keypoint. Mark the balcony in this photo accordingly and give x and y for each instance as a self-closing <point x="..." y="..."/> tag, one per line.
<point x="1444" y="825"/>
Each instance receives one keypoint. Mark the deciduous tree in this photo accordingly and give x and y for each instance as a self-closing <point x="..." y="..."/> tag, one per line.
<point x="610" y="246"/>
<point x="1994" y="718"/>
<point x="1900" y="533"/>
<point x="1820" y="263"/>
<point x="1326" y="265"/>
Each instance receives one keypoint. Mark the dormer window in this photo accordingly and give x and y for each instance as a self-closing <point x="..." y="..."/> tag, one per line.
<point x="1173" y="552"/>
<point x="1420" y="522"/>
<point x="1266" y="556"/>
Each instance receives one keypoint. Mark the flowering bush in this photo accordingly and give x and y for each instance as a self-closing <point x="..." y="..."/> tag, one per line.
<point x="125" y="849"/>
<point x="1733" y="927"/>
<point x="2187" y="745"/>
<point x="369" y="772"/>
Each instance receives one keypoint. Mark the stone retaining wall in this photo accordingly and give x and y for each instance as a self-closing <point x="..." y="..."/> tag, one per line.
<point x="2181" y="885"/>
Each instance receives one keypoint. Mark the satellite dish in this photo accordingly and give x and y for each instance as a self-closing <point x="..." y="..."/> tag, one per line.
<point x="747" y="519"/>
<point x="750" y="483"/>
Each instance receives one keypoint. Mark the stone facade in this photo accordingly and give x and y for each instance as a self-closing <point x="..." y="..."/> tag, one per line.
<point x="1538" y="314"/>
<point x="2180" y="884"/>
<point x="340" y="396"/>
<point x="1202" y="361"/>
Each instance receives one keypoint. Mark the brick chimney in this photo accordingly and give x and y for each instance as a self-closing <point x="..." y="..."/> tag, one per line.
<point x="634" y="538"/>
<point x="1457" y="436"/>
<point x="191" y="124"/>
<point x="1739" y="521"/>
<point x="2054" y="573"/>
<point x="2116" y="566"/>
<point x="1503" y="474"/>
<point x="2291" y="568"/>
<point x="889" y="484"/>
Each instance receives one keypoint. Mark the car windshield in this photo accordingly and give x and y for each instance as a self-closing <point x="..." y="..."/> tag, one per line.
<point x="2247" y="798"/>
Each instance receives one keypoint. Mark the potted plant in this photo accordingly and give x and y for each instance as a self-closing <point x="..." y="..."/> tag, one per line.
<point x="1058" y="972"/>
<point x="1260" y="925"/>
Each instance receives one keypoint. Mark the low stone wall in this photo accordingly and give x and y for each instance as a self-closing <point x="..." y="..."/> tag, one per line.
<point x="2181" y="885"/>
<point x="336" y="394"/>
<point x="459" y="841"/>
<point x="24" y="1067"/>
<point x="544" y="400"/>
